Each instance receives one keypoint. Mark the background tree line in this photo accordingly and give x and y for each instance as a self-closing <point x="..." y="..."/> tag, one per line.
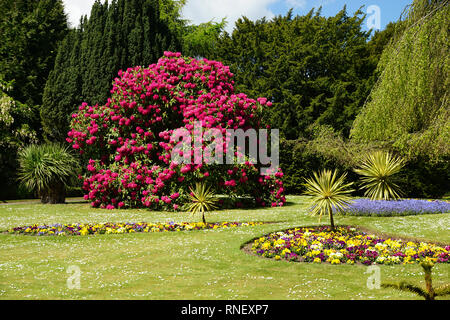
<point x="321" y="73"/>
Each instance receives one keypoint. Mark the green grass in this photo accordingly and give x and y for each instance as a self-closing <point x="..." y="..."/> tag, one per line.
<point x="195" y="264"/>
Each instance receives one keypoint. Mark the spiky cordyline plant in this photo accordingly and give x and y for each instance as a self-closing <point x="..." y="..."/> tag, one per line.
<point x="47" y="169"/>
<point x="330" y="193"/>
<point x="429" y="293"/>
<point x="377" y="171"/>
<point x="202" y="200"/>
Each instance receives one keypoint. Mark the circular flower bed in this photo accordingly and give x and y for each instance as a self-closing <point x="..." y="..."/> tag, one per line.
<point x="345" y="245"/>
<point x="119" y="228"/>
<point x="366" y="207"/>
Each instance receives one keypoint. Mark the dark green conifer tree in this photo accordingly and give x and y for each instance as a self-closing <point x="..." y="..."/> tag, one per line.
<point x="30" y="33"/>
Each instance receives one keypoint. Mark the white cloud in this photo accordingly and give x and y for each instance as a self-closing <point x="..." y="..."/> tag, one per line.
<point x="296" y="4"/>
<point x="200" y="11"/>
<point x="77" y="8"/>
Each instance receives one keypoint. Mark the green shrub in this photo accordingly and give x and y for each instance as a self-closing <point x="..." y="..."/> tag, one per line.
<point x="330" y="193"/>
<point x="202" y="200"/>
<point x="47" y="169"/>
<point x="377" y="171"/>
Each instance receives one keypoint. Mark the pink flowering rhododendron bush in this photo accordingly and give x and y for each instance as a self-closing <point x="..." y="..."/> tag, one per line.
<point x="127" y="143"/>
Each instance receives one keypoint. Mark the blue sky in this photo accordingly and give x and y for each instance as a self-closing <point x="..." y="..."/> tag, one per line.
<point x="390" y="10"/>
<point x="198" y="11"/>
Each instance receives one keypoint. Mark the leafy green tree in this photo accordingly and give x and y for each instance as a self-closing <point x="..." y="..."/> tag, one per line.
<point x="170" y="14"/>
<point x="201" y="40"/>
<point x="16" y="131"/>
<point x="116" y="36"/>
<point x="314" y="69"/>
<point x="409" y="106"/>
<point x="65" y="88"/>
<point x="30" y="34"/>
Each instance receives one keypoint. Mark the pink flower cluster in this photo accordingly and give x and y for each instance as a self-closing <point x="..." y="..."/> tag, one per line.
<point x="127" y="142"/>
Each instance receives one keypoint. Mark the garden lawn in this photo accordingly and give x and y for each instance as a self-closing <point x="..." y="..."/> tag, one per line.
<point x="205" y="264"/>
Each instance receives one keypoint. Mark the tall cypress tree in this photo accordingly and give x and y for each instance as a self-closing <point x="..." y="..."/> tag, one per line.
<point x="30" y="33"/>
<point x="66" y="85"/>
<point x="116" y="36"/>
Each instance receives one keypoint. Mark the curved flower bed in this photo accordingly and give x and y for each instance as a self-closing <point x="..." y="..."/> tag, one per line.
<point x="345" y="245"/>
<point x="120" y="228"/>
<point x="366" y="207"/>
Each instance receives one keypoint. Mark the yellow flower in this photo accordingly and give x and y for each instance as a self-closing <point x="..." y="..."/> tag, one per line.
<point x="430" y="259"/>
<point x="84" y="231"/>
<point x="266" y="245"/>
<point x="410" y="252"/>
<point x="317" y="260"/>
<point x="277" y="257"/>
<point x="335" y="261"/>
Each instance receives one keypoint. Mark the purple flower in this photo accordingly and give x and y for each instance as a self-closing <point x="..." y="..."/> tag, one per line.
<point x="366" y="207"/>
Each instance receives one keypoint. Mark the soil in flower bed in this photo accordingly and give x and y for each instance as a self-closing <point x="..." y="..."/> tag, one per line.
<point x="120" y="228"/>
<point x="346" y="245"/>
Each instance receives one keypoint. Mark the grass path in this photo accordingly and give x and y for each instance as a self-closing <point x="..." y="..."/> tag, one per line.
<point x="190" y="265"/>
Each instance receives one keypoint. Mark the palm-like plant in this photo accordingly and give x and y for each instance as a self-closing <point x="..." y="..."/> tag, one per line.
<point x="330" y="193"/>
<point x="47" y="169"/>
<point x="377" y="171"/>
<point x="202" y="200"/>
<point x="429" y="293"/>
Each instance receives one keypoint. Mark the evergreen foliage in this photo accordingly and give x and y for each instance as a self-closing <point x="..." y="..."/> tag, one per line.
<point x="314" y="69"/>
<point x="16" y="130"/>
<point x="47" y="169"/>
<point x="30" y="34"/>
<point x="377" y="171"/>
<point x="202" y="200"/>
<point x="201" y="40"/>
<point x="330" y="193"/>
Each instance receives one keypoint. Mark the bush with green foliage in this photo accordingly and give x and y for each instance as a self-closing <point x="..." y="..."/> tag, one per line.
<point x="377" y="173"/>
<point x="202" y="200"/>
<point x="330" y="193"/>
<point x="16" y="130"/>
<point x="47" y="169"/>
<point x="324" y="148"/>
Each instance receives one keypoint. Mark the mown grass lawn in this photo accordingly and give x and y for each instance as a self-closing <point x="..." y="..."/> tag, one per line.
<point x="193" y="264"/>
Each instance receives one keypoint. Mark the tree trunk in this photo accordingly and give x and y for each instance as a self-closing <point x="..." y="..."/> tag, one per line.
<point x="428" y="283"/>
<point x="332" y="222"/>
<point x="57" y="194"/>
<point x="203" y="218"/>
<point x="43" y="194"/>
